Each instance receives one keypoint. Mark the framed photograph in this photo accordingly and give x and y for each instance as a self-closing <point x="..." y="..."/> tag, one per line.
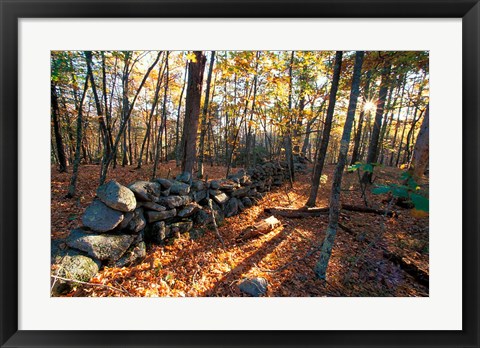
<point x="247" y="174"/>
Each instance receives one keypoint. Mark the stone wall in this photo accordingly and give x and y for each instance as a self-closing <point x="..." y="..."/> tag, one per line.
<point x="121" y="220"/>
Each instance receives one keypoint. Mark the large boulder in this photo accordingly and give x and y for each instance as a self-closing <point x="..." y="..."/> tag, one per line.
<point x="174" y="201"/>
<point x="166" y="183"/>
<point x="146" y="190"/>
<point x="179" y="188"/>
<point x="254" y="287"/>
<point x="188" y="210"/>
<point x="153" y="216"/>
<point x="117" y="196"/>
<point x="105" y="247"/>
<point x="153" y="206"/>
<point x="74" y="266"/>
<point x="100" y="218"/>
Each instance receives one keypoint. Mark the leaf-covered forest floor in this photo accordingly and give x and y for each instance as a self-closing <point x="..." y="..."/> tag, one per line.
<point x="285" y="257"/>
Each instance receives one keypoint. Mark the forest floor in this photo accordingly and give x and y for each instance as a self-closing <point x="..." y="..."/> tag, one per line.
<point x="285" y="257"/>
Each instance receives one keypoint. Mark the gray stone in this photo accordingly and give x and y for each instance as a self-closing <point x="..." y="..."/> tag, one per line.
<point x="174" y="201"/>
<point x="127" y="217"/>
<point x="153" y="206"/>
<point x="247" y="202"/>
<point x="188" y="210"/>
<point x="185" y="177"/>
<point x="100" y="218"/>
<point x="109" y="247"/>
<point x="219" y="214"/>
<point x="219" y="197"/>
<point x="231" y="208"/>
<point x="134" y="254"/>
<point x="153" y="216"/>
<point x="117" y="196"/>
<point x="179" y="227"/>
<point x="202" y="218"/>
<point x="254" y="287"/>
<point x="145" y="190"/>
<point x="199" y="195"/>
<point x="166" y="183"/>
<point x="179" y="188"/>
<point x="240" y="192"/>
<point x="156" y="232"/>
<point x="214" y="184"/>
<point x="198" y="185"/>
<point x="75" y="266"/>
<point x="228" y="185"/>
<point x="138" y="221"/>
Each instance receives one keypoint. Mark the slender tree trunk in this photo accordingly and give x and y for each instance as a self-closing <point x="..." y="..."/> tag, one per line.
<point x="162" y="123"/>
<point x="397" y="123"/>
<point x="178" y="151"/>
<point x="288" y="134"/>
<point x="62" y="160"/>
<point x="358" y="134"/>
<point x="192" y="110"/>
<point x="76" y="163"/>
<point x="204" y="118"/>
<point x="98" y="105"/>
<point x="373" y="147"/>
<point x="322" y="264"/>
<point x="150" y="117"/>
<point x="322" y="152"/>
<point x="123" y="123"/>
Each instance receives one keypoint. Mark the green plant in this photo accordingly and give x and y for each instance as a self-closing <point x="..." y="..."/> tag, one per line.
<point x="409" y="190"/>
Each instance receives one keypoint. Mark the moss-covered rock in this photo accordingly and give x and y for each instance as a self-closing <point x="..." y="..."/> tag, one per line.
<point x="117" y="196"/>
<point x="105" y="247"/>
<point x="101" y="218"/>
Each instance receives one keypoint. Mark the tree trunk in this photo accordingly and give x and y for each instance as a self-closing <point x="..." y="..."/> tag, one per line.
<point x="150" y="117"/>
<point x="397" y="123"/>
<point x="358" y="134"/>
<point x="123" y="124"/>
<point x="73" y="181"/>
<point x="162" y="123"/>
<point x="322" y="152"/>
<point x="373" y="147"/>
<point x="421" y="152"/>
<point x="204" y="118"/>
<point x="192" y="110"/>
<point x="62" y="160"/>
<point x="322" y="264"/>
<point x="177" y="134"/>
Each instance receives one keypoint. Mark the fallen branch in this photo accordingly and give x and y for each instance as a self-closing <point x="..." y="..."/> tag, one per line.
<point x="90" y="284"/>
<point x="311" y="212"/>
<point x="215" y="223"/>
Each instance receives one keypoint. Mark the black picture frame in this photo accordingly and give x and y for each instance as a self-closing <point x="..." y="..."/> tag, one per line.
<point x="11" y="11"/>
